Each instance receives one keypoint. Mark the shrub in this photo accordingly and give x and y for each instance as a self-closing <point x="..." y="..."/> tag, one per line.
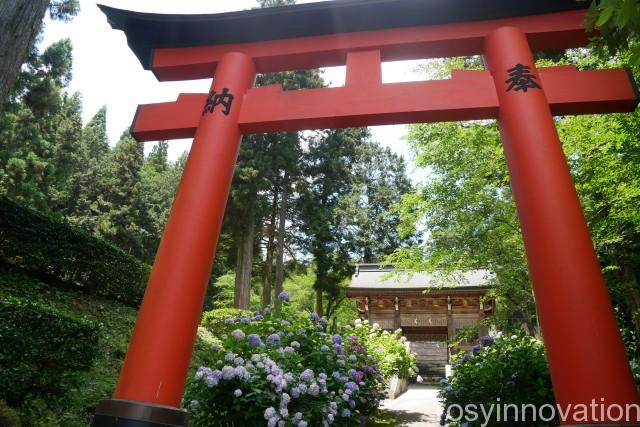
<point x="43" y="348"/>
<point x="509" y="370"/>
<point x="214" y="320"/>
<point x="56" y="250"/>
<point x="282" y="368"/>
<point x="8" y="417"/>
<point x="388" y="348"/>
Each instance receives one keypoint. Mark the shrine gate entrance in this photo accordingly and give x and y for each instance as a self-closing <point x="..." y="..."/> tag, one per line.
<point x="233" y="47"/>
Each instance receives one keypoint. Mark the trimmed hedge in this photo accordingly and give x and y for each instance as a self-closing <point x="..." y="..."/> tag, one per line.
<point x="59" y="251"/>
<point x="43" y="348"/>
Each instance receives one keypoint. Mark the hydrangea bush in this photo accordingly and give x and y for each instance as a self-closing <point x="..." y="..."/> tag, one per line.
<point x="280" y="368"/>
<point x="510" y="369"/>
<point x="388" y="348"/>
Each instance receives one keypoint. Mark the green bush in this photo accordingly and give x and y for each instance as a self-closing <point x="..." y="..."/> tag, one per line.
<point x="8" y="417"/>
<point x="43" y="349"/>
<point x="214" y="320"/>
<point x="56" y="250"/>
<point x="508" y="370"/>
<point x="388" y="348"/>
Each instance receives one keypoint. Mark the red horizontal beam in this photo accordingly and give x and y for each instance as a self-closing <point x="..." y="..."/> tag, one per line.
<point x="545" y="32"/>
<point x="468" y="95"/>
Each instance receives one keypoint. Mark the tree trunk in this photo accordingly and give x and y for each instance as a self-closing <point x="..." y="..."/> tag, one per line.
<point x="319" y="309"/>
<point x="281" y="236"/>
<point x="20" y="22"/>
<point x="268" y="266"/>
<point x="244" y="263"/>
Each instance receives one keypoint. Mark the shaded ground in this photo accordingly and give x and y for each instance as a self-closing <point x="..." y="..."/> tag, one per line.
<point x="418" y="407"/>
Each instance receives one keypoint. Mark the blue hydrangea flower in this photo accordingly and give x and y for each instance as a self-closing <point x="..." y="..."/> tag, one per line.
<point x="346" y="413"/>
<point x="229" y="357"/>
<point x="194" y="404"/>
<point x="314" y="316"/>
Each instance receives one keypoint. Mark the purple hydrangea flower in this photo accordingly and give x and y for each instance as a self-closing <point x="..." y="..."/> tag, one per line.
<point x="283" y="296"/>
<point x="307" y="375"/>
<point x="314" y="316"/>
<point x="295" y="344"/>
<point x="254" y="340"/>
<point x="337" y="339"/>
<point x="273" y="340"/>
<point x="486" y="341"/>
<point x="269" y="413"/>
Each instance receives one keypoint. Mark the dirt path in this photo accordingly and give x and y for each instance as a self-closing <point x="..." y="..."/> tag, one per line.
<point x="417" y="407"/>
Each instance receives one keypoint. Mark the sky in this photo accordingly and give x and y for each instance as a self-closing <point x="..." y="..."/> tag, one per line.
<point x="106" y="72"/>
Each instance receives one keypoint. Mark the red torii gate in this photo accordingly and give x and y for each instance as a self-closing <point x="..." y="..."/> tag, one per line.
<point x="233" y="47"/>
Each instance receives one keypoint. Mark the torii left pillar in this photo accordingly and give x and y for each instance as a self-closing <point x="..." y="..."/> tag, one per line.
<point x="151" y="383"/>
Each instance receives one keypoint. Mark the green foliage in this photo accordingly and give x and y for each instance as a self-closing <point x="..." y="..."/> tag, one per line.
<point x="43" y="348"/>
<point x="63" y="10"/>
<point x="390" y="349"/>
<point x="54" y="249"/>
<point x="467" y="214"/>
<point x="276" y="365"/>
<point x="618" y="22"/>
<point x="224" y="287"/>
<point x="214" y="320"/>
<point x="8" y="416"/>
<point x="513" y="370"/>
<point x="40" y="132"/>
<point x="300" y="286"/>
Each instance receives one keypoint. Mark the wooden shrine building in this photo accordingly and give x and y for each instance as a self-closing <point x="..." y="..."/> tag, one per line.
<point x="427" y="307"/>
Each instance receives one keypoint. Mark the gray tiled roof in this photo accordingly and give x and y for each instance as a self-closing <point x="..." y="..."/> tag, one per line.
<point x="373" y="276"/>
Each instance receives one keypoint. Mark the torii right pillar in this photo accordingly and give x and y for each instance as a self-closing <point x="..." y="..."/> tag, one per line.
<point x="585" y="352"/>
